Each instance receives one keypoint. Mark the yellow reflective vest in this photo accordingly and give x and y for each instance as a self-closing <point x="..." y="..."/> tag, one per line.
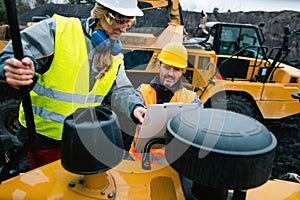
<point x="66" y="85"/>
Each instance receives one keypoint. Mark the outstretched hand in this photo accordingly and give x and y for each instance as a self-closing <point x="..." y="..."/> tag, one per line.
<point x="139" y="113"/>
<point x="19" y="73"/>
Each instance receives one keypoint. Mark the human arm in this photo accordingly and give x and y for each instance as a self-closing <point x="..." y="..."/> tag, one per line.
<point x="38" y="47"/>
<point x="124" y="99"/>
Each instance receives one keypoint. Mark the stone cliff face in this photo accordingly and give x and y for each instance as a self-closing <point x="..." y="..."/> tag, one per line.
<point x="273" y="29"/>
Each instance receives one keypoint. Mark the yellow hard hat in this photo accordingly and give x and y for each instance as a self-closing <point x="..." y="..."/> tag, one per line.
<point x="174" y="54"/>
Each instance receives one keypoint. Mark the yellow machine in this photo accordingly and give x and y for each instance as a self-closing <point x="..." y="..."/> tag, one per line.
<point x="127" y="181"/>
<point x="229" y="156"/>
<point x="98" y="169"/>
<point x="229" y="67"/>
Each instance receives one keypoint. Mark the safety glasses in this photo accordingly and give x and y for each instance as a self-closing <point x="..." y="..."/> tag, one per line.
<point x="119" y="21"/>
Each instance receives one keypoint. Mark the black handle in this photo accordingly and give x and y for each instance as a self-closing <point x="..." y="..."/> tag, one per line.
<point x="11" y="12"/>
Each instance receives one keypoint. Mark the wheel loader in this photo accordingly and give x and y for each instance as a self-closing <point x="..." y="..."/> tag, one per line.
<point x="237" y="166"/>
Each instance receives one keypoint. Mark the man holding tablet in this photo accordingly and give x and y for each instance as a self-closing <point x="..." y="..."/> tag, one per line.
<point x="166" y="87"/>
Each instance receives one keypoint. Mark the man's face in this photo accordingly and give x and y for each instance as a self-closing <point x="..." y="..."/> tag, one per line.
<point x="169" y="75"/>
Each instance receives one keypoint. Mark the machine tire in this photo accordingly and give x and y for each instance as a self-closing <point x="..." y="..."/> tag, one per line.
<point x="9" y="118"/>
<point x="240" y="104"/>
<point x="237" y="103"/>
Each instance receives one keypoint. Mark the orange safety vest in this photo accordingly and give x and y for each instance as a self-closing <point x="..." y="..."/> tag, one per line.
<point x="149" y="95"/>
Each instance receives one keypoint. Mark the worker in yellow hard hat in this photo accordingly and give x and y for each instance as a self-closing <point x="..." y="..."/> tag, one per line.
<point x="164" y="88"/>
<point x="71" y="63"/>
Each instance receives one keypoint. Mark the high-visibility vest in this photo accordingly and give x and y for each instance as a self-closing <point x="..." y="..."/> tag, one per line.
<point x="66" y="85"/>
<point x="149" y="95"/>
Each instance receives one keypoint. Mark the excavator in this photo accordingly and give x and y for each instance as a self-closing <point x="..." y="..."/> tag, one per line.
<point x="211" y="153"/>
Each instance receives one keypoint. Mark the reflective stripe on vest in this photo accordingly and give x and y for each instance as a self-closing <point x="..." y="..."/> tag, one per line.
<point x="65" y="86"/>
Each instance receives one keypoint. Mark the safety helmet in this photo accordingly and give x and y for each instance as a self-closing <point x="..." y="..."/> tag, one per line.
<point x="123" y="7"/>
<point x="174" y="54"/>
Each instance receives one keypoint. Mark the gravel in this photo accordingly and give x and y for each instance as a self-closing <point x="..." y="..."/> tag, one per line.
<point x="287" y="132"/>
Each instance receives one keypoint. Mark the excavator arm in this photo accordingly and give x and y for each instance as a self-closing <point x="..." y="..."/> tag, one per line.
<point x="173" y="8"/>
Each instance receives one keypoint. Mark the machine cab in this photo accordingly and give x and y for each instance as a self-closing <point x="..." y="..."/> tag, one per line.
<point x="233" y="38"/>
<point x="229" y="38"/>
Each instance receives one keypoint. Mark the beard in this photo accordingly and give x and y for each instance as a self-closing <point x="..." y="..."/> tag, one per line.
<point x="168" y="81"/>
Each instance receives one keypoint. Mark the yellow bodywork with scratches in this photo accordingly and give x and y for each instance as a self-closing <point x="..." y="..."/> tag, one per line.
<point x="126" y="181"/>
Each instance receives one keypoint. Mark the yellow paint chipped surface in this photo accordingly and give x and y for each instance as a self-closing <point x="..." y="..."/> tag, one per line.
<point x="34" y="177"/>
<point x="18" y="195"/>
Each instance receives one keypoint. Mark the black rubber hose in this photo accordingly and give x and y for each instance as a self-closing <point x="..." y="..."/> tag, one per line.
<point x="146" y="154"/>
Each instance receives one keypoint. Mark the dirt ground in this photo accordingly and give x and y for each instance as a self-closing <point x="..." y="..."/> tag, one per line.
<point x="287" y="132"/>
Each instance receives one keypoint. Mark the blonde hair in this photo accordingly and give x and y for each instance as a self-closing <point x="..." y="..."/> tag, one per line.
<point x="102" y="61"/>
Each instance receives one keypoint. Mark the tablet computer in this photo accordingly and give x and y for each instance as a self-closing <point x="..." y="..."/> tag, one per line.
<point x="156" y="119"/>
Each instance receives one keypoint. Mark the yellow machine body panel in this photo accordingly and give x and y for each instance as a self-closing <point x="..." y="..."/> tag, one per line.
<point x="3" y="43"/>
<point x="268" y="97"/>
<point x="130" y="181"/>
<point x="126" y="181"/>
<point x="156" y="38"/>
<point x="202" y="76"/>
<point x="275" y="189"/>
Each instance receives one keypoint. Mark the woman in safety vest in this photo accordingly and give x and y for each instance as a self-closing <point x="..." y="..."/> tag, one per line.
<point x="165" y="87"/>
<point x="71" y="63"/>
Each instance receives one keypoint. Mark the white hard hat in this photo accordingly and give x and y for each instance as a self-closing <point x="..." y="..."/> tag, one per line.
<point x="123" y="7"/>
